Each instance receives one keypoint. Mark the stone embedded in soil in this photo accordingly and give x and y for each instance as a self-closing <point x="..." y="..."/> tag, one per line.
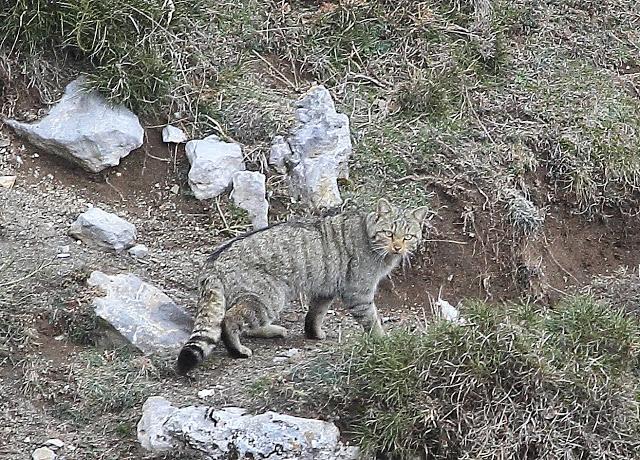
<point x="55" y="443"/>
<point x="213" y="164"/>
<point x="43" y="453"/>
<point x="219" y="433"/>
<point x="173" y="135"/>
<point x="316" y="151"/>
<point x="104" y="229"/>
<point x="249" y="193"/>
<point x="448" y="311"/>
<point x="139" y="251"/>
<point x="314" y="181"/>
<point x="141" y="314"/>
<point x="7" y="181"/>
<point x="85" y="129"/>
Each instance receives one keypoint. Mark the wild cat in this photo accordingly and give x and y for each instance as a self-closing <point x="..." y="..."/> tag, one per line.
<point x="248" y="280"/>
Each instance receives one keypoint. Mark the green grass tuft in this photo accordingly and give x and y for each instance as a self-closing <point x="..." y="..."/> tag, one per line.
<point x="126" y="46"/>
<point x="512" y="382"/>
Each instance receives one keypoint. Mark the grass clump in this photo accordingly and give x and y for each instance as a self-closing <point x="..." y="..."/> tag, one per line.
<point x="512" y="382"/>
<point x="128" y="47"/>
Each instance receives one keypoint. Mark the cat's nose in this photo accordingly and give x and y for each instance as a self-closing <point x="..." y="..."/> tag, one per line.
<point x="397" y="247"/>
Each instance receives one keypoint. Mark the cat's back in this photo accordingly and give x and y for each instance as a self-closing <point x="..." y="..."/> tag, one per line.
<point x="268" y="243"/>
<point x="288" y="242"/>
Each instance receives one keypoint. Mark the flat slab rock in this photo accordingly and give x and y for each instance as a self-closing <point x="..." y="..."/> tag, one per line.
<point x="141" y="314"/>
<point x="84" y="129"/>
<point x="218" y="433"/>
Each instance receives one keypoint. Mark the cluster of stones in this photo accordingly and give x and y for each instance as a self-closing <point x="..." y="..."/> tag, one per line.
<point x="84" y="129"/>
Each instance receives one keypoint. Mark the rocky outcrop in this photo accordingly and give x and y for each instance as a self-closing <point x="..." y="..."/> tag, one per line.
<point x="218" y="434"/>
<point x="321" y="131"/>
<point x="84" y="129"/>
<point x="316" y="151"/>
<point x="314" y="181"/>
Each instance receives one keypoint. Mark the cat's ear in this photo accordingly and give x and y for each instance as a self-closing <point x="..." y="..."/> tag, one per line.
<point x="420" y="214"/>
<point x="383" y="207"/>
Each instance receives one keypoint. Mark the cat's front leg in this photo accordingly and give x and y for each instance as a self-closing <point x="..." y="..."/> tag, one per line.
<point x="366" y="314"/>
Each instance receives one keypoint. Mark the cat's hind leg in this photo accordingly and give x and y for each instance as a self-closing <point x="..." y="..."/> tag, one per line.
<point x="315" y="316"/>
<point x="253" y="315"/>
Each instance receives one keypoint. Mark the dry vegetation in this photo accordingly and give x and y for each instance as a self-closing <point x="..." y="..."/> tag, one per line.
<point x="514" y="381"/>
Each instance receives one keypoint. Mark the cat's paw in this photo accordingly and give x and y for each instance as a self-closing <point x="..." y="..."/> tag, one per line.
<point x="318" y="334"/>
<point x="241" y="352"/>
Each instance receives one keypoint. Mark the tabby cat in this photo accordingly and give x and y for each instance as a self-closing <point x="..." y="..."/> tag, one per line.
<point x="248" y="280"/>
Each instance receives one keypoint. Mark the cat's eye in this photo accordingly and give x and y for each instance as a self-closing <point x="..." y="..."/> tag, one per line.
<point x="408" y="237"/>
<point x="388" y="233"/>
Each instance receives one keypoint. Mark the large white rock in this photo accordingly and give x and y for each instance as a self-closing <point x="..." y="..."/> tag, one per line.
<point x="321" y="131"/>
<point x="84" y="129"/>
<point x="213" y="164"/>
<point x="105" y="229"/>
<point x="219" y="434"/>
<point x="314" y="181"/>
<point x="249" y="193"/>
<point x="140" y="313"/>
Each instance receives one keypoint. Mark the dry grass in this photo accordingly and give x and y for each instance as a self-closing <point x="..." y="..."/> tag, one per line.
<point x="482" y="92"/>
<point x="512" y="382"/>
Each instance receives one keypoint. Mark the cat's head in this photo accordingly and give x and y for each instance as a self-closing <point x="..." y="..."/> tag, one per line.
<point x="395" y="231"/>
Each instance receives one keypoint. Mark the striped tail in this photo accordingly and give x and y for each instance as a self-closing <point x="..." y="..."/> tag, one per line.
<point x="206" y="330"/>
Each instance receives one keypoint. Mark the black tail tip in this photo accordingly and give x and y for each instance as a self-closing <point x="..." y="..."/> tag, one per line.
<point x="188" y="359"/>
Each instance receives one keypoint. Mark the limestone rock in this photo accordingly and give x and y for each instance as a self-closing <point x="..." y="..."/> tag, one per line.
<point x="321" y="131"/>
<point x="218" y="433"/>
<point x="55" y="443"/>
<point x="141" y="313"/>
<point x="43" y="453"/>
<point x="85" y="130"/>
<point x="449" y="312"/>
<point x="213" y="164"/>
<point x="249" y="193"/>
<point x="174" y="135"/>
<point x="314" y="181"/>
<point x="105" y="229"/>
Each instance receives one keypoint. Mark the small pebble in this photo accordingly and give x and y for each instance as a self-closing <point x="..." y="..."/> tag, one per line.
<point x="204" y="394"/>
<point x="55" y="443"/>
<point x="43" y="453"/>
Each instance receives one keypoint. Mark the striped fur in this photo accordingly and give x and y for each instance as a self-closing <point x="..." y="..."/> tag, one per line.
<point x="249" y="280"/>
